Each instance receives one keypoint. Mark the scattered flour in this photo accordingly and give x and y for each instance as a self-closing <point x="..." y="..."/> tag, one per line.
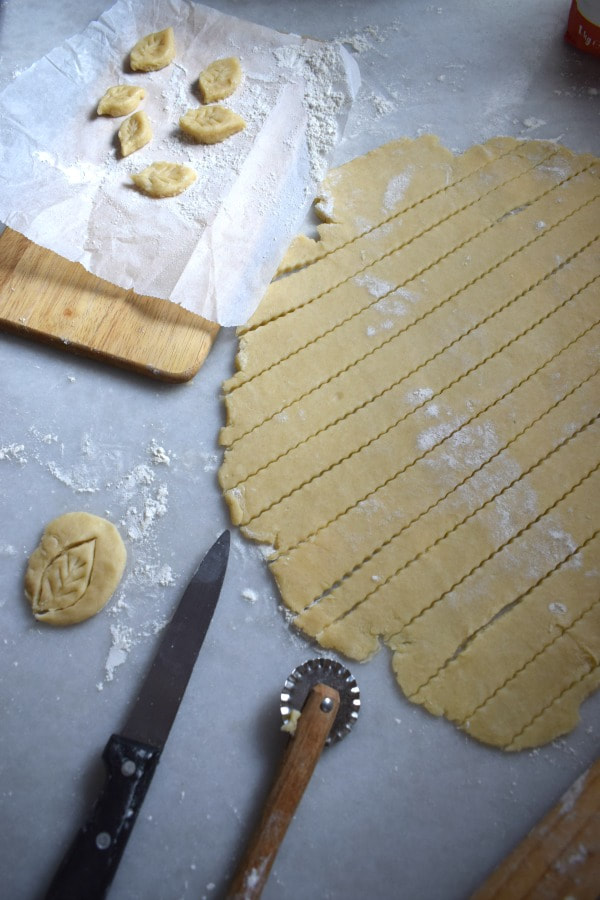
<point x="475" y="444"/>
<point x="78" y="478"/>
<point x="80" y="173"/>
<point x="430" y="437"/>
<point x="155" y="574"/>
<point x="48" y="438"/>
<point x="13" y="452"/>
<point x="318" y="68"/>
<point x="369" y="37"/>
<point x="211" y="461"/>
<point x="557" y="609"/>
<point x="382" y="105"/>
<point x="122" y="642"/>
<point x="420" y="395"/>
<point x="531" y="122"/>
<point x="569" y="799"/>
<point x="140" y="518"/>
<point x="375" y="286"/>
<point x="136" y="501"/>
<point x="7" y="550"/>
<point x="396" y="189"/>
<point x="159" y="455"/>
<point x="390" y="305"/>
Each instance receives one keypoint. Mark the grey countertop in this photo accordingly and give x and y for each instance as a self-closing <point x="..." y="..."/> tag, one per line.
<point x="407" y="805"/>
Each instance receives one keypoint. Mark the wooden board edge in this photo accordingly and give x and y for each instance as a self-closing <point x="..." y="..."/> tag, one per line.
<point x="156" y="373"/>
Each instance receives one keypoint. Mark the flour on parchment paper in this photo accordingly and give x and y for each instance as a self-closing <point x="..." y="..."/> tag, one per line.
<point x="252" y="190"/>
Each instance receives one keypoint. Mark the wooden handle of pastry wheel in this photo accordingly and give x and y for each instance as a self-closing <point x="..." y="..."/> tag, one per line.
<point x="560" y="857"/>
<point x="297" y="766"/>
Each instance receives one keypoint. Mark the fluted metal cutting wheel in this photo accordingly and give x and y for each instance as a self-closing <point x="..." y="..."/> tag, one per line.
<point x="322" y="671"/>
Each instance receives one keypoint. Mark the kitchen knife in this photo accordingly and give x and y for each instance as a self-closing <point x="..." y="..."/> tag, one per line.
<point x="131" y="756"/>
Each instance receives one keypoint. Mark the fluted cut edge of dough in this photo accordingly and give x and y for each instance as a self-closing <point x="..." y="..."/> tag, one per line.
<point x="413" y="429"/>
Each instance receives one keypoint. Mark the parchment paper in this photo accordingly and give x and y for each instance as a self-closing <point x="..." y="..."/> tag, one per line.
<point x="214" y="248"/>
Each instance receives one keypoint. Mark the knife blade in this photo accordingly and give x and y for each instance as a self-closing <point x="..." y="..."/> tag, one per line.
<point x="131" y="756"/>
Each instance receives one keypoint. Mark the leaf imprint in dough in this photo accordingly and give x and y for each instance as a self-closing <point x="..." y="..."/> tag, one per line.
<point x="164" y="179"/>
<point x="211" y="124"/>
<point x="120" y="100"/>
<point x="75" y="569"/>
<point x="66" y="577"/>
<point x="153" y="51"/>
<point x="135" y="132"/>
<point x="220" y="79"/>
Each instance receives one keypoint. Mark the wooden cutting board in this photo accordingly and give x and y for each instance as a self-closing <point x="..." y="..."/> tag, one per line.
<point x="560" y="857"/>
<point x="46" y="297"/>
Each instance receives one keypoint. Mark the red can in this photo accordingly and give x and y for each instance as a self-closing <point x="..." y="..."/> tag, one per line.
<point x="583" y="27"/>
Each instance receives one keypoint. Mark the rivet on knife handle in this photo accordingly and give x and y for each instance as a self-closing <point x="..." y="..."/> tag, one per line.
<point x="92" y="860"/>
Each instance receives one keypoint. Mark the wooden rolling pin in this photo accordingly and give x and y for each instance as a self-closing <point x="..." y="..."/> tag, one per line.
<point x="560" y="857"/>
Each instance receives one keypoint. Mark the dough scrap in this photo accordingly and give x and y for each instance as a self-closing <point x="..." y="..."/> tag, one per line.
<point x="413" y="428"/>
<point x="75" y="569"/>
<point x="220" y="79"/>
<point x="120" y="100"/>
<point x="135" y="132"/>
<point x="211" y="124"/>
<point x="153" y="51"/>
<point x="164" y="179"/>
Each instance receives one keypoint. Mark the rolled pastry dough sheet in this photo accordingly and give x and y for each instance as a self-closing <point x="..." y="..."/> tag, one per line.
<point x="413" y="428"/>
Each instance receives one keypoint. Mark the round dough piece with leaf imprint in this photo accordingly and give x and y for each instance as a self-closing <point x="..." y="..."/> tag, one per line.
<point x="75" y="569"/>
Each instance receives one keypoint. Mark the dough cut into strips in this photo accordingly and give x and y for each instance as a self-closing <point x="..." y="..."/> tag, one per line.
<point x="518" y="633"/>
<point x="442" y="331"/>
<point x="412" y="299"/>
<point x="481" y="459"/>
<point x="413" y="429"/>
<point x="338" y="485"/>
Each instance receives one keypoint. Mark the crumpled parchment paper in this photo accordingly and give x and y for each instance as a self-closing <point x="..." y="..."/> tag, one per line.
<point x="214" y="248"/>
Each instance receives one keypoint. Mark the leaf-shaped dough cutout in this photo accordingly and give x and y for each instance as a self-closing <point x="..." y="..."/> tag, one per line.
<point x="66" y="578"/>
<point x="211" y="124"/>
<point x="164" y="179"/>
<point x="120" y="100"/>
<point x="153" y="51"/>
<point x="135" y="132"/>
<point x="220" y="79"/>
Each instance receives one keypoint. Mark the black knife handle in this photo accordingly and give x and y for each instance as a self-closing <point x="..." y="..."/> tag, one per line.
<point x="89" y="865"/>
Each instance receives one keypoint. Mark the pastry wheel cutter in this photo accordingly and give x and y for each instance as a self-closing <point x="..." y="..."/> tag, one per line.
<point x="320" y="702"/>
